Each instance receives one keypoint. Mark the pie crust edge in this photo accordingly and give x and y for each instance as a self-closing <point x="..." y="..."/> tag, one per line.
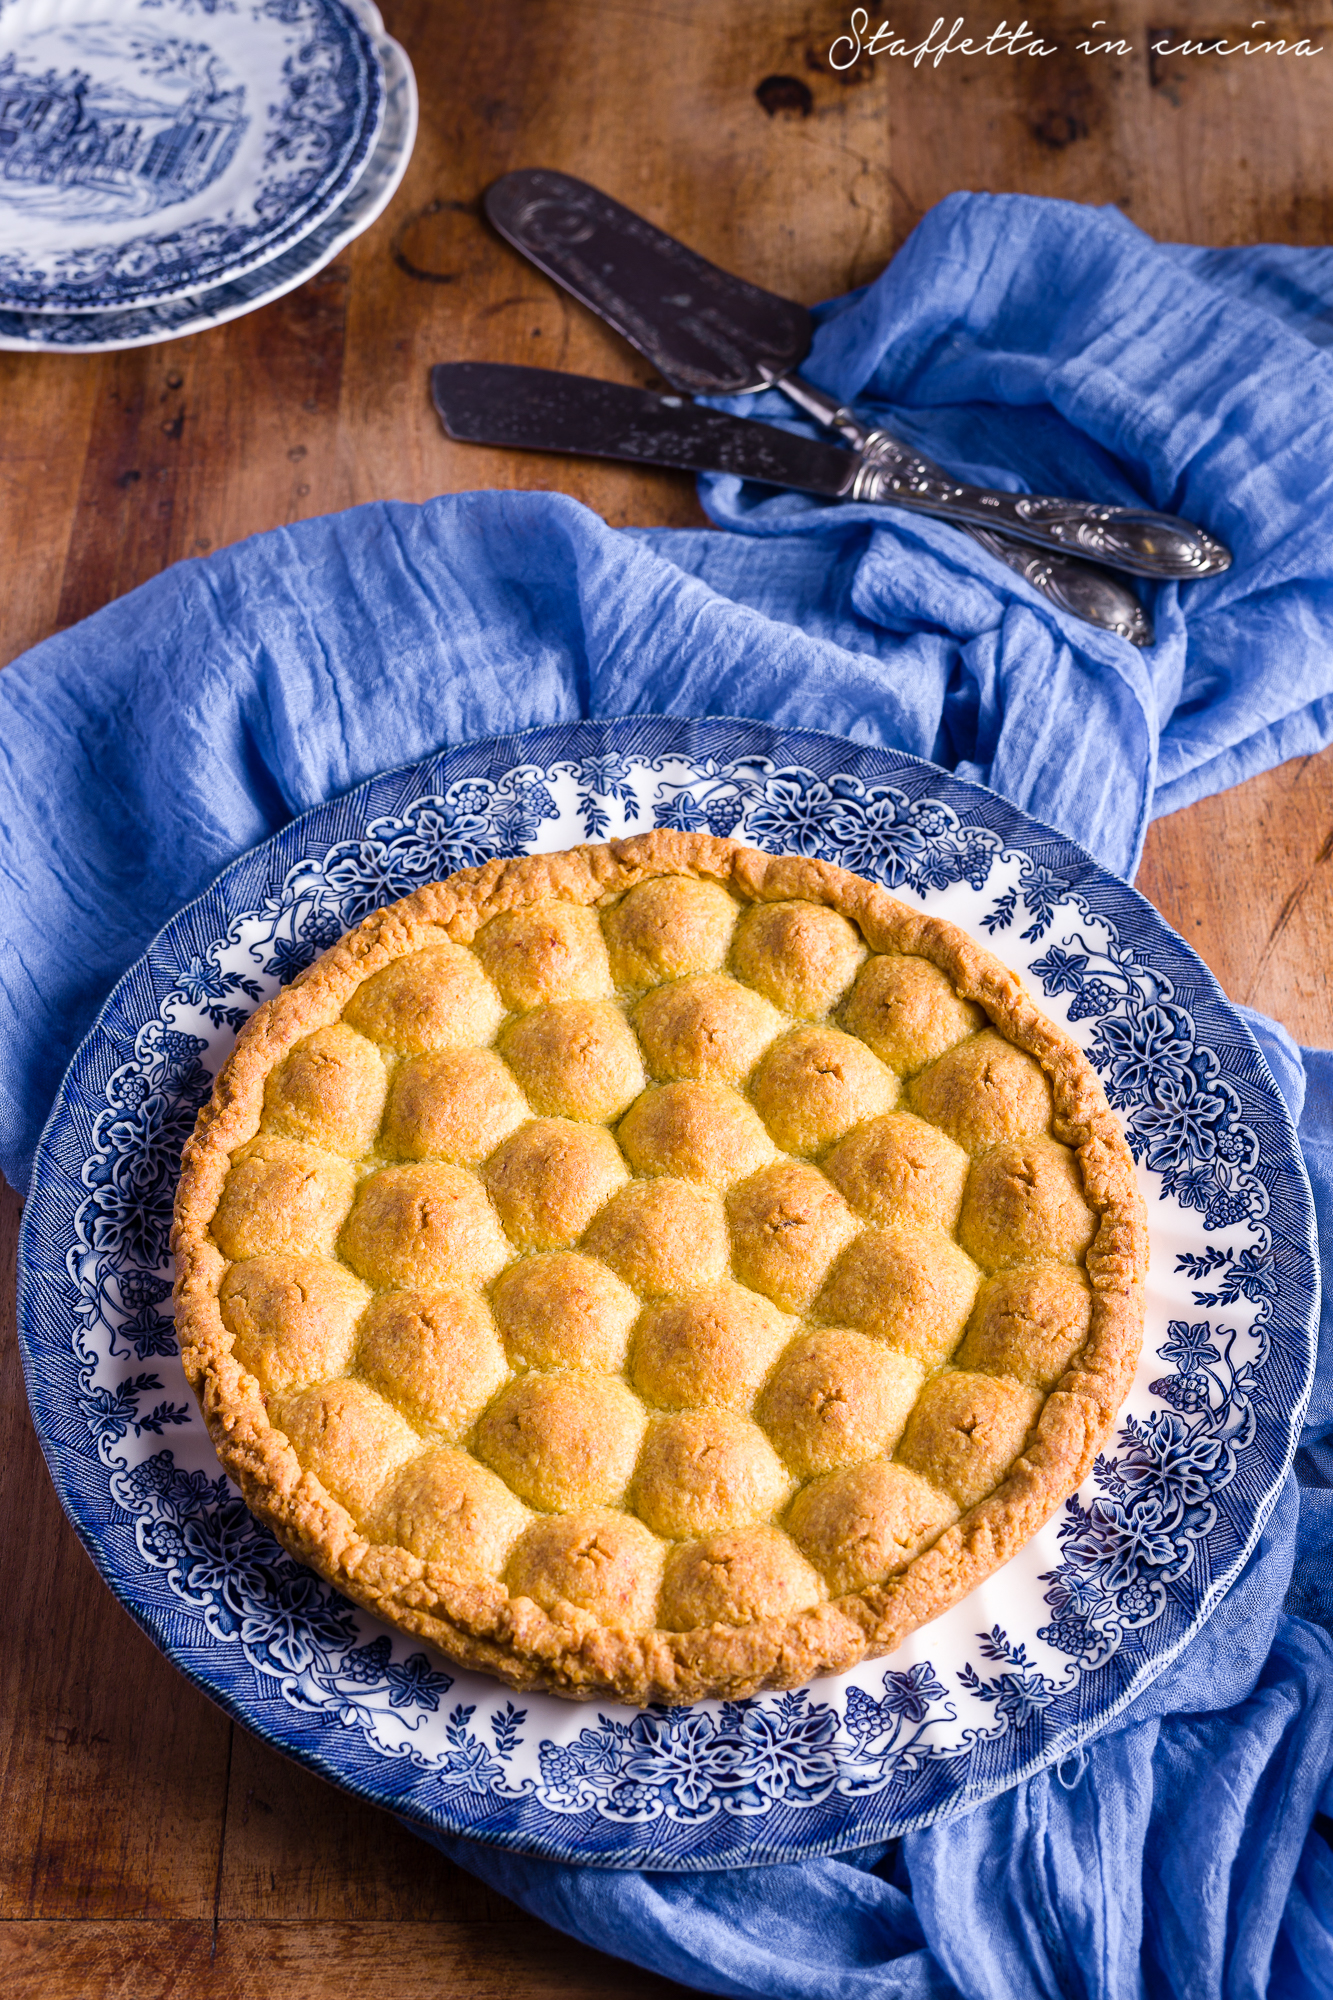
<point x="571" y="1653"/>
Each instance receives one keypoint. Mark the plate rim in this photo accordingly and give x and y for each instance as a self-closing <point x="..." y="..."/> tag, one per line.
<point x="320" y="203"/>
<point x="205" y="321"/>
<point x="427" y="1824"/>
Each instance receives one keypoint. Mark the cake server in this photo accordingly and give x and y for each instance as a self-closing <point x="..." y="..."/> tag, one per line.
<point x="542" y="409"/>
<point x="713" y="334"/>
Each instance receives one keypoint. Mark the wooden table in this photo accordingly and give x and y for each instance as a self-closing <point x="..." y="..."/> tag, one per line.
<point x="149" y="1847"/>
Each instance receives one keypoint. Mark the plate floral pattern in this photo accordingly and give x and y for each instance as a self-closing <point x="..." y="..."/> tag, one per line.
<point x="151" y="147"/>
<point x="1046" y="1652"/>
<point x="196" y="312"/>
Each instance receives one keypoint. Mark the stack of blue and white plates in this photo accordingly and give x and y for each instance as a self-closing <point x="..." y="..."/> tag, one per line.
<point x="166" y="165"/>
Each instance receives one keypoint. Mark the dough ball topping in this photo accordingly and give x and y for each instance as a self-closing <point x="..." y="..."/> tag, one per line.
<point x="707" y="1469"/>
<point x="668" y="929"/>
<point x="899" y="1169"/>
<point x="800" y="956"/>
<point x="455" y="1106"/>
<point x="863" y="1524"/>
<point x="423" y="1225"/>
<point x="735" y="1578"/>
<point x="563" y="1310"/>
<point x="282" y="1196"/>
<point x="661" y="1237"/>
<point x="436" y="1356"/>
<point x="549" y="952"/>
<point x="352" y="1439"/>
<point x="563" y="1441"/>
<point x="710" y="1028"/>
<point x="712" y="1350"/>
<point x="330" y="1092"/>
<point x="1024" y="1203"/>
<point x="549" y="1180"/>
<point x="1029" y="1322"/>
<point x="598" y="1560"/>
<point x="838" y="1397"/>
<point x="788" y="1223"/>
<point x="908" y="1012"/>
<point x="983" y="1092"/>
<point x="669" y="1265"/>
<point x="697" y="1132"/>
<point x="292" y="1319"/>
<point x="446" y="1508"/>
<point x="966" y="1431"/>
<point x="814" y="1085"/>
<point x="575" y="1059"/>
<point x="436" y="998"/>
<point x="910" y="1287"/>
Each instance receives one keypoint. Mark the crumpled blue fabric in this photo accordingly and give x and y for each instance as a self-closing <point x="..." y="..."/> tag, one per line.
<point x="1175" y="1857"/>
<point x="1020" y="342"/>
<point x="1009" y="335"/>
<point x="1047" y="347"/>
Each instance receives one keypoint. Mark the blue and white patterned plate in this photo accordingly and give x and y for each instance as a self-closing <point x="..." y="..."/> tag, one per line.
<point x="197" y="312"/>
<point x="1047" y="1651"/>
<point x="150" y="148"/>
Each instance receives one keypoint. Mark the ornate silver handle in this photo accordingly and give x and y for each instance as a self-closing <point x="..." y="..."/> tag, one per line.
<point x="1081" y="588"/>
<point x="1129" y="538"/>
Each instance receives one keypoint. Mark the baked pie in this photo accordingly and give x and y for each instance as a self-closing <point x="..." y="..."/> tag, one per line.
<point x="660" y="1269"/>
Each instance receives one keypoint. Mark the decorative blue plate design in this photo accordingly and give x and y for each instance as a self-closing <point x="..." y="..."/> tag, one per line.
<point x="1044" y="1653"/>
<point x="150" y="148"/>
<point x="197" y="312"/>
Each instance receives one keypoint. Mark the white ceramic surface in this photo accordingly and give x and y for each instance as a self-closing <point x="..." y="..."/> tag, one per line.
<point x="152" y="148"/>
<point x="1047" y="1651"/>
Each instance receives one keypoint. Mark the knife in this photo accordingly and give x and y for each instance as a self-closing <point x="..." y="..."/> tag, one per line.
<point x="713" y="334"/>
<point x="542" y="409"/>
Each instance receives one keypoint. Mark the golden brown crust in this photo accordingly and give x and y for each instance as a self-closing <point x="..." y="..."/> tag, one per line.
<point x="1029" y="1081"/>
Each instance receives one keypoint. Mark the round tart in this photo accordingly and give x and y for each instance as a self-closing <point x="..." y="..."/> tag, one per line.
<point x="660" y="1269"/>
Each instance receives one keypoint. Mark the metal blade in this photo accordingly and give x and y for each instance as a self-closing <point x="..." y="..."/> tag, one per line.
<point x="540" y="409"/>
<point x="701" y="328"/>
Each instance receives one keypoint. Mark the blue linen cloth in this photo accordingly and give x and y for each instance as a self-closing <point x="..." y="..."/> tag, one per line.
<point x="1175" y="1855"/>
<point x="141" y="751"/>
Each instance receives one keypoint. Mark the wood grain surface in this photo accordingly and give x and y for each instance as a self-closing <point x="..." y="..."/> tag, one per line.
<point x="150" y="1847"/>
